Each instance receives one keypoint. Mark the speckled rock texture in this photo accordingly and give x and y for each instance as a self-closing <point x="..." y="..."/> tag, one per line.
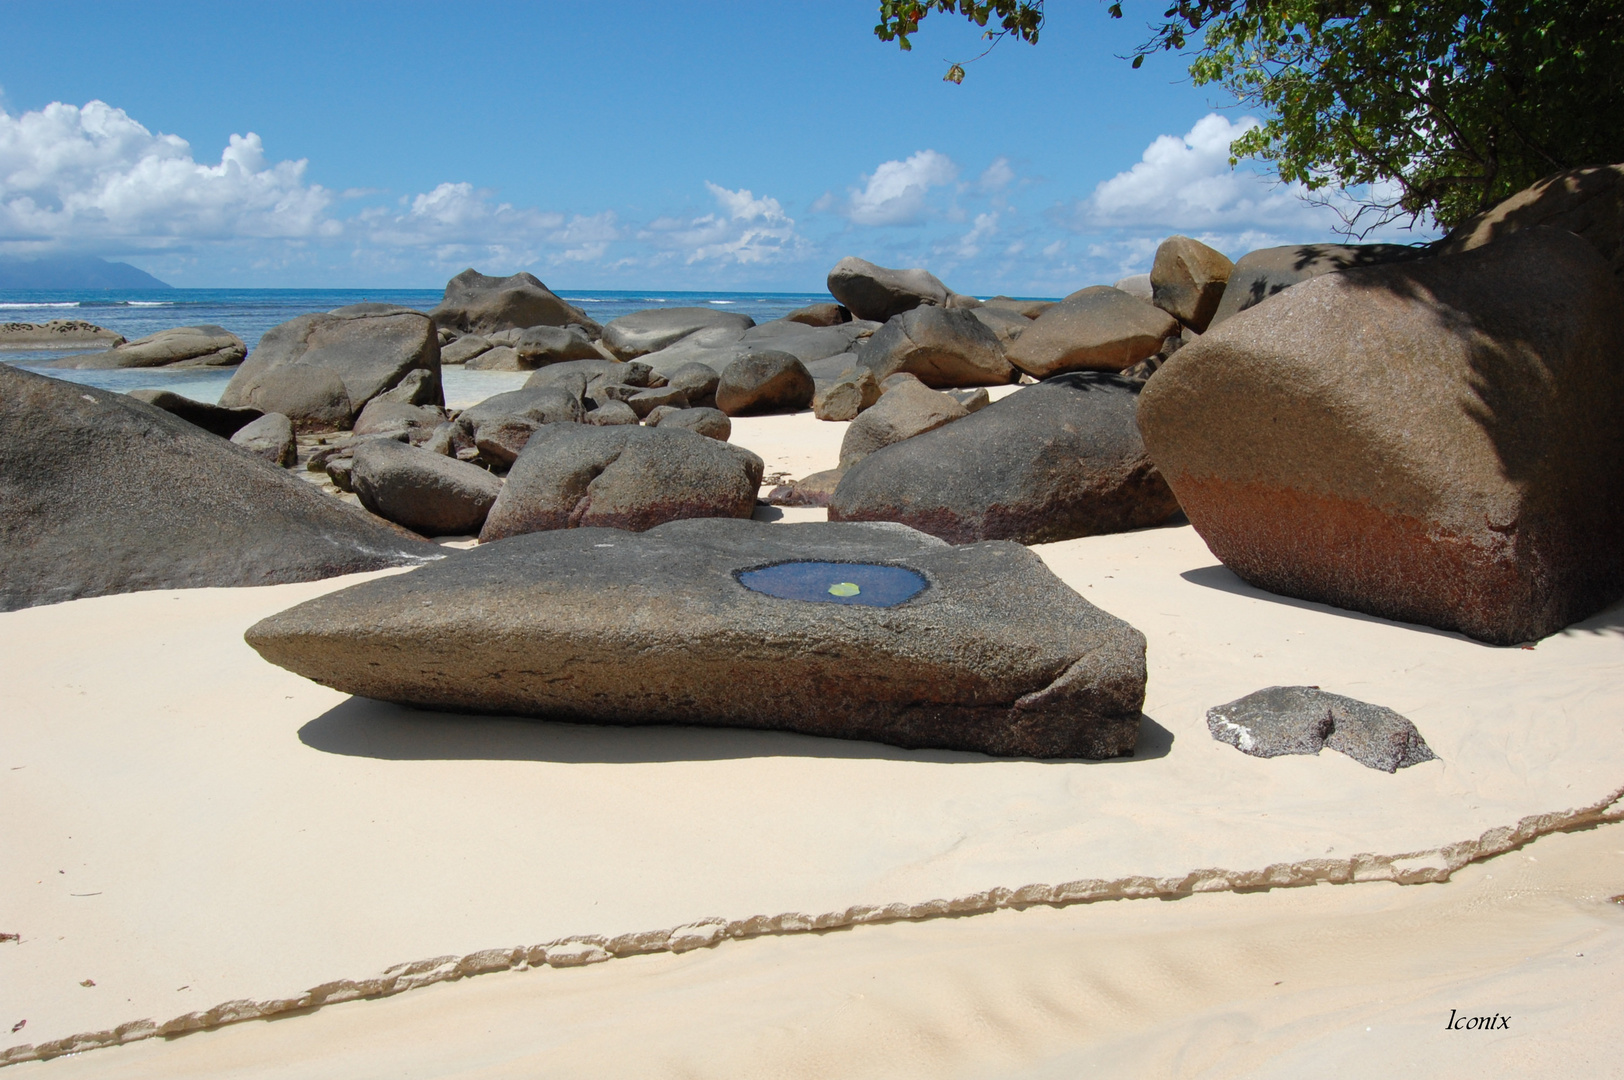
<point x="995" y="655"/>
<point x="1282" y="720"/>
<point x="101" y="493"/>
<point x="1435" y="441"/>
<point x="1049" y="462"/>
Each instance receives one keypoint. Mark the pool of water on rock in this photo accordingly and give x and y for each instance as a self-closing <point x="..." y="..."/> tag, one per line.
<point x="868" y="584"/>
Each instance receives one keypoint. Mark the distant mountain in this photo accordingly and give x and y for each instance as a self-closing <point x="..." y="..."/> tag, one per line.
<point x="73" y="272"/>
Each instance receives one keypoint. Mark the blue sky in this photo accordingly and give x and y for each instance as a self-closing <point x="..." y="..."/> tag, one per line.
<point x="639" y="145"/>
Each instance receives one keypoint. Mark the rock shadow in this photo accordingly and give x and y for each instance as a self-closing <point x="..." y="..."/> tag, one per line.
<point x="361" y="727"/>
<point x="1220" y="577"/>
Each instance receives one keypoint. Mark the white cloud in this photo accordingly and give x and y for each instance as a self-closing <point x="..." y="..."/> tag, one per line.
<point x="747" y="231"/>
<point x="895" y="193"/>
<point x="1185" y="183"/>
<point x="996" y="177"/>
<point x="969" y="245"/>
<point x="73" y="177"/>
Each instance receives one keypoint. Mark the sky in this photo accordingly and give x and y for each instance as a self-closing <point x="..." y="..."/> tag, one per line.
<point x="643" y="145"/>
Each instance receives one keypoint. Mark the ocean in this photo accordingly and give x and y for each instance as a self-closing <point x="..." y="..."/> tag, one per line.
<point x="248" y="313"/>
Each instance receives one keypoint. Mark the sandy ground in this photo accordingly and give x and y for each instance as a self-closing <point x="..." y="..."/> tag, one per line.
<point x="1328" y="981"/>
<point x="201" y="836"/>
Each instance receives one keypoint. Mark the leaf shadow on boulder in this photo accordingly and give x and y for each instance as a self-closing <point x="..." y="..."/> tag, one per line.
<point x="360" y="727"/>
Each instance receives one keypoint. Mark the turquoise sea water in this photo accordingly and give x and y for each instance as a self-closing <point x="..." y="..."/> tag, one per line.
<point x="248" y="313"/>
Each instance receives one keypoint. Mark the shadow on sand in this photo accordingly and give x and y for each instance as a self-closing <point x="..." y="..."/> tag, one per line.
<point x="361" y="727"/>
<point x="1222" y="578"/>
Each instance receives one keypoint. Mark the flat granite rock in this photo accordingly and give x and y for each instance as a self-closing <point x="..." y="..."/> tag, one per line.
<point x="909" y="641"/>
<point x="1282" y="720"/>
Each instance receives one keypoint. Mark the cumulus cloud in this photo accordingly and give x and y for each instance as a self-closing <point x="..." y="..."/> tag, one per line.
<point x="746" y="230"/>
<point x="1185" y="183"/>
<point x="81" y="176"/>
<point x="895" y="193"/>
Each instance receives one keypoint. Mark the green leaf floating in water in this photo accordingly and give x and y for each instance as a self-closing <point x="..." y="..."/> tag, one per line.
<point x="844" y="588"/>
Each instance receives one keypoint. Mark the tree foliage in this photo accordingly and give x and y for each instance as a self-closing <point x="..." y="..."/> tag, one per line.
<point x="1437" y="108"/>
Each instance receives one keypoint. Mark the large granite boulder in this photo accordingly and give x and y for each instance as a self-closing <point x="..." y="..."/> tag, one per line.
<point x="908" y="408"/>
<point x="711" y="423"/>
<point x="424" y="491"/>
<point x="180" y="347"/>
<point x="1094" y="329"/>
<point x="1435" y="441"/>
<point x="622" y="477"/>
<point x="877" y="292"/>
<point x="631" y="336"/>
<point x="851" y="631"/>
<point x="1261" y="274"/>
<point x="939" y="346"/>
<point x="371" y="349"/>
<point x="764" y="382"/>
<point x="1188" y="279"/>
<point x="476" y="303"/>
<point x="1049" y="462"/>
<point x="1588" y="202"/>
<point x="532" y="348"/>
<point x="223" y="422"/>
<point x="101" y="493"/>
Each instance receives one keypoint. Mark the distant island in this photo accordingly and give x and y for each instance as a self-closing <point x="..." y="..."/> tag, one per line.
<point x="73" y="272"/>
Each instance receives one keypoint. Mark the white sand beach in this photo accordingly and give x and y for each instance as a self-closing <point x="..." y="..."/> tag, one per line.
<point x="196" y="837"/>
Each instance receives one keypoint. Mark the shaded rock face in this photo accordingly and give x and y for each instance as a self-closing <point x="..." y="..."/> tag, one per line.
<point x="906" y="409"/>
<point x="815" y="489"/>
<point x="101" y="493"/>
<point x="1435" y="441"/>
<point x="720" y="346"/>
<point x="846" y="397"/>
<point x="312" y="398"/>
<point x="1188" y="280"/>
<point x="764" y="382"/>
<point x="1282" y="720"/>
<point x="1094" y="329"/>
<point x="369" y="353"/>
<point x="941" y="347"/>
<point x="425" y="492"/>
<point x="464" y="349"/>
<point x="476" y="303"/>
<point x="697" y="383"/>
<point x="631" y="336"/>
<point x="222" y="422"/>
<point x="1049" y="462"/>
<point x="878" y="293"/>
<point x="418" y="421"/>
<point x="1005" y="323"/>
<point x="711" y="423"/>
<point x="994" y="654"/>
<point x="623" y="477"/>
<point x="820" y="315"/>
<point x="181" y="347"/>
<point x="270" y="437"/>
<point x="1588" y="202"/>
<point x="590" y="372"/>
<point x="1263" y="273"/>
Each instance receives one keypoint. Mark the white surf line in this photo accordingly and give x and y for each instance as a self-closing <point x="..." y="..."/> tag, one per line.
<point x="1414" y="868"/>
